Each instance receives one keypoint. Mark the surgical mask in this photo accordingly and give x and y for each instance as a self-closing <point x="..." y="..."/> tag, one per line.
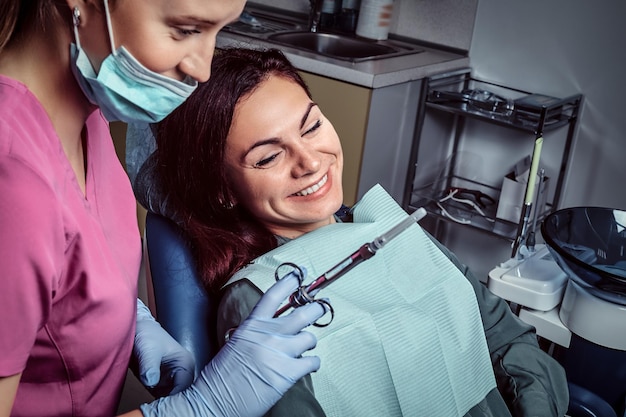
<point x="123" y="88"/>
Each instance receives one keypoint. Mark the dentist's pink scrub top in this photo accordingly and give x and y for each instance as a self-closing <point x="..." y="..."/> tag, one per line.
<point x="69" y="264"/>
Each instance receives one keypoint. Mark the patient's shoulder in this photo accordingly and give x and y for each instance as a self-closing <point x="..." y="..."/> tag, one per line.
<point x="237" y="300"/>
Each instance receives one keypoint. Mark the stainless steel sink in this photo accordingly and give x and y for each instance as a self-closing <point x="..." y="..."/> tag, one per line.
<point x="290" y="31"/>
<point x="338" y="46"/>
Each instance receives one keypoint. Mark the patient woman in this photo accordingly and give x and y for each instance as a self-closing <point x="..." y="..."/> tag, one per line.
<point x="252" y="171"/>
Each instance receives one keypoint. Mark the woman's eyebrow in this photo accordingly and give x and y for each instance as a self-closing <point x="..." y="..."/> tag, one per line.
<point x="306" y="114"/>
<point x="193" y="20"/>
<point x="270" y="141"/>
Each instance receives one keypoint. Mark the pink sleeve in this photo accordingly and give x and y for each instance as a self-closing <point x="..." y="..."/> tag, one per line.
<point x="32" y="244"/>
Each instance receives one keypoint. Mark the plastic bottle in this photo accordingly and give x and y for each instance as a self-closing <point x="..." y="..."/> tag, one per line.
<point x="374" y="19"/>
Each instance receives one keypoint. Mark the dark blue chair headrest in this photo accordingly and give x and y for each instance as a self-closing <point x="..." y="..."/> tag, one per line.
<point x="183" y="307"/>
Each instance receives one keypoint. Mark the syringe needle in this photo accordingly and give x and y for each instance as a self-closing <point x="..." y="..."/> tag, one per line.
<point x="383" y="239"/>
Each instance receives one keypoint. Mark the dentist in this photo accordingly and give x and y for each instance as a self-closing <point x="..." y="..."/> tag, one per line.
<point x="70" y="248"/>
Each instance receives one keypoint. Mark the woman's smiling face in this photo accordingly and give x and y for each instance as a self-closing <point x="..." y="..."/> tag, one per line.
<point x="283" y="159"/>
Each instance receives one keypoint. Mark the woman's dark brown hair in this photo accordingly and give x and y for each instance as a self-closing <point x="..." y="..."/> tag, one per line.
<point x="190" y="163"/>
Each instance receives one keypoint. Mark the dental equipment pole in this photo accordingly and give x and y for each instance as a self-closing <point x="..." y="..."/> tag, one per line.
<point x="530" y="239"/>
<point x="305" y="293"/>
<point x="530" y="190"/>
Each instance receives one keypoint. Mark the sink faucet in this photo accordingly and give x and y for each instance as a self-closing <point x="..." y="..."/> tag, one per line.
<point x="315" y="14"/>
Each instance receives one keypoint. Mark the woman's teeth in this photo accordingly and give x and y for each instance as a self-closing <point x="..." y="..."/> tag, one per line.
<point x="313" y="188"/>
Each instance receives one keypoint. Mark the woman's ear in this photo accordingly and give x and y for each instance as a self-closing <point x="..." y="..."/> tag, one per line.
<point x="89" y="21"/>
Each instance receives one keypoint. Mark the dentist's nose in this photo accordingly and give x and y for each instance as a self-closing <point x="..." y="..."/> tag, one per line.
<point x="197" y="64"/>
<point x="307" y="161"/>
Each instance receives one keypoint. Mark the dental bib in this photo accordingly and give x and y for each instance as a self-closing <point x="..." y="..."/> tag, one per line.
<point x="407" y="338"/>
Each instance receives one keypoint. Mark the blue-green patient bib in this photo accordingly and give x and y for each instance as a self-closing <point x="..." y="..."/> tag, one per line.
<point x="407" y="338"/>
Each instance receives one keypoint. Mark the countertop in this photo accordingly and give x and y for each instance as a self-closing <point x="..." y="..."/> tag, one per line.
<point x="371" y="74"/>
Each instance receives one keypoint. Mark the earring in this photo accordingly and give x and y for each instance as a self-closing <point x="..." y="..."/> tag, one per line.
<point x="226" y="203"/>
<point x="76" y="16"/>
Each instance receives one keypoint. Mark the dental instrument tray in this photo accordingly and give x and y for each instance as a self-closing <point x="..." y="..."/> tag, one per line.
<point x="467" y="132"/>
<point x="508" y="106"/>
<point x="443" y="203"/>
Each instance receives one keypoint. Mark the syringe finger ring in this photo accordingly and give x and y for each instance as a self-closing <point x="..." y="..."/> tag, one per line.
<point x="300" y="297"/>
<point x="287" y="268"/>
<point x="324" y="303"/>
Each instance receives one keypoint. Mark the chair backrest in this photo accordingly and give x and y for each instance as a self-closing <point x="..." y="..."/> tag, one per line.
<point x="183" y="307"/>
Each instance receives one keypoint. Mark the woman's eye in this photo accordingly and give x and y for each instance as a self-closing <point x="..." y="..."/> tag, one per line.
<point x="266" y="161"/>
<point x="187" y="31"/>
<point x="313" y="128"/>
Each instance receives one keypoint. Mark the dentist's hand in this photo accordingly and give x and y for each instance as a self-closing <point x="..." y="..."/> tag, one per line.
<point x="164" y="366"/>
<point x="259" y="363"/>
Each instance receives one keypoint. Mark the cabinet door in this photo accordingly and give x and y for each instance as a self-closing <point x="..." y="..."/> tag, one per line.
<point x="347" y="108"/>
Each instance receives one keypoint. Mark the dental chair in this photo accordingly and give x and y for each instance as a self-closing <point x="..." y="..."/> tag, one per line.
<point x="183" y="307"/>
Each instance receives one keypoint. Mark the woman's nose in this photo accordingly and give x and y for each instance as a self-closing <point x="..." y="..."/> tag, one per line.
<point x="307" y="161"/>
<point x="197" y="64"/>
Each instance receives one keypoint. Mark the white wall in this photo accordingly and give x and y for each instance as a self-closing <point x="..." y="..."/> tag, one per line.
<point x="560" y="47"/>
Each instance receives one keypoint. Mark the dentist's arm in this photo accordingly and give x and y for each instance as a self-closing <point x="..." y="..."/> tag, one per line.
<point x="8" y="389"/>
<point x="162" y="365"/>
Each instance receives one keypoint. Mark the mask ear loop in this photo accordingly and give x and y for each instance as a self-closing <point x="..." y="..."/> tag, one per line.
<point x="109" y="25"/>
<point x="76" y="24"/>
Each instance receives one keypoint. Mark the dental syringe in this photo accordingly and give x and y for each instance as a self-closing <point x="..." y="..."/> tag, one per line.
<point x="305" y="293"/>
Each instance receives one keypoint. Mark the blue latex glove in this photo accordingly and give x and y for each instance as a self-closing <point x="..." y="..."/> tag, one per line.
<point x="259" y="363"/>
<point x="164" y="366"/>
